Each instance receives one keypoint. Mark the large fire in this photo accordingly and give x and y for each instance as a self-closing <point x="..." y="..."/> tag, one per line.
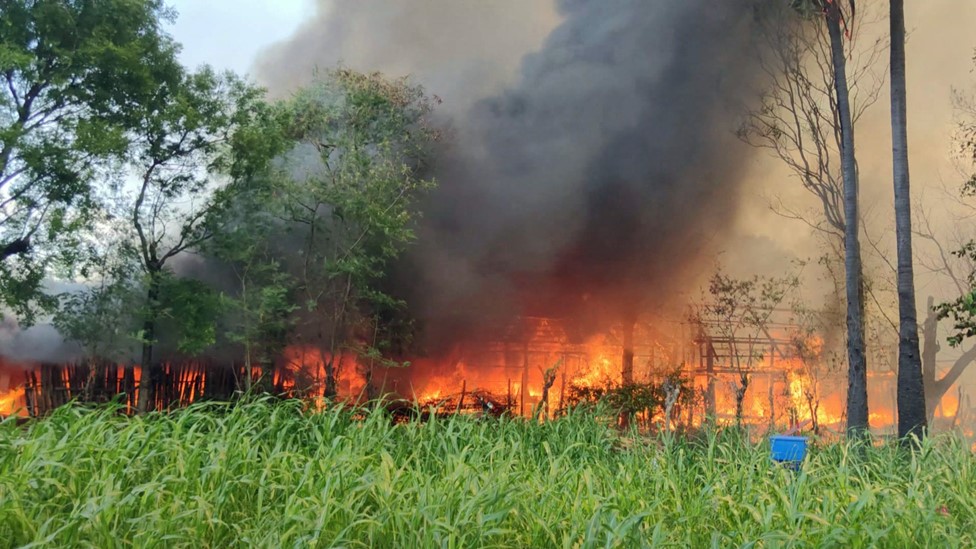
<point x="534" y="374"/>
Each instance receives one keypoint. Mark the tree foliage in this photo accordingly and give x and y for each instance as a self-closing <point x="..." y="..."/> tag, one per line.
<point x="103" y="318"/>
<point x="962" y="310"/>
<point x="738" y="312"/>
<point x="190" y="153"/>
<point x="71" y="73"/>
<point x="259" y="308"/>
<point x="360" y="149"/>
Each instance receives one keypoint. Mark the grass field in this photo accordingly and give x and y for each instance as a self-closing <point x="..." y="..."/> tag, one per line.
<point x="271" y="476"/>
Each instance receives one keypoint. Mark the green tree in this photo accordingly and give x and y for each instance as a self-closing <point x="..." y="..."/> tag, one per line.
<point x="102" y="317"/>
<point x="70" y="74"/>
<point x="362" y="145"/>
<point x="191" y="150"/>
<point x="260" y="310"/>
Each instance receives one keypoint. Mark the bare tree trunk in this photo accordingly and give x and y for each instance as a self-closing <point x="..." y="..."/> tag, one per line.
<point x="149" y="341"/>
<point x="740" y="397"/>
<point x="936" y="388"/>
<point x="330" y="378"/>
<point x="548" y="379"/>
<point x="857" y="391"/>
<point x="911" y="392"/>
<point x="814" y="405"/>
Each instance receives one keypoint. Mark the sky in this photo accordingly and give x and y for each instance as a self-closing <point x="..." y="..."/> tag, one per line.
<point x="228" y="34"/>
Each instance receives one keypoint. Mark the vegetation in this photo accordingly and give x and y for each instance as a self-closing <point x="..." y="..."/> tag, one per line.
<point x="185" y="142"/>
<point x="122" y="170"/>
<point x="658" y="405"/>
<point x="358" y="145"/>
<point x="277" y="476"/>
<point x="117" y="163"/>
<point x="70" y="75"/>
<point x="963" y="309"/>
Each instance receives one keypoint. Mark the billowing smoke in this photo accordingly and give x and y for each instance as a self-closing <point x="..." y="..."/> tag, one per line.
<point x="592" y="168"/>
<point x="40" y="343"/>
<point x="602" y="175"/>
<point x="462" y="50"/>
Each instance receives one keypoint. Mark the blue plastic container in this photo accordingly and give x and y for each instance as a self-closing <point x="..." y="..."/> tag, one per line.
<point x="788" y="448"/>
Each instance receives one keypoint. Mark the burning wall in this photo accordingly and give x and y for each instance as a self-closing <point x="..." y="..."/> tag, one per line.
<point x="784" y="389"/>
<point x="12" y="380"/>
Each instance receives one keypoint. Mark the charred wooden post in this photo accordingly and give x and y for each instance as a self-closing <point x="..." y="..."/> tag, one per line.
<point x="627" y="361"/>
<point x="710" y="373"/>
<point x="30" y="393"/>
<point x="464" y="385"/>
<point x="548" y="379"/>
<point x="525" y="377"/>
<point x="129" y="385"/>
<point x="562" y="394"/>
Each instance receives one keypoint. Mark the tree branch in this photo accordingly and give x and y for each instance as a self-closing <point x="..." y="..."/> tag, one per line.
<point x="20" y="246"/>
<point x="958" y="367"/>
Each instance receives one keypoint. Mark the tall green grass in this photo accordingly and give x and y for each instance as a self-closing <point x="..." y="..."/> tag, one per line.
<point x="273" y="476"/>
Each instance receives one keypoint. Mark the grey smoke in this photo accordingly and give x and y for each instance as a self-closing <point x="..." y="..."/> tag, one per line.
<point x="462" y="50"/>
<point x="38" y="343"/>
<point x="597" y="182"/>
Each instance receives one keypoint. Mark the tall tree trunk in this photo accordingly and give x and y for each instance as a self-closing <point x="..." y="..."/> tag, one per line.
<point x="149" y="341"/>
<point x="911" y="391"/>
<point x="857" y="389"/>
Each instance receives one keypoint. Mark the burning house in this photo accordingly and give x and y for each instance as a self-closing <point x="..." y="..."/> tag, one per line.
<point x="530" y="366"/>
<point x="593" y="184"/>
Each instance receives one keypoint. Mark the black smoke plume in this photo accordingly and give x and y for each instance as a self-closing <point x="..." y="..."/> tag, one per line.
<point x="599" y="181"/>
